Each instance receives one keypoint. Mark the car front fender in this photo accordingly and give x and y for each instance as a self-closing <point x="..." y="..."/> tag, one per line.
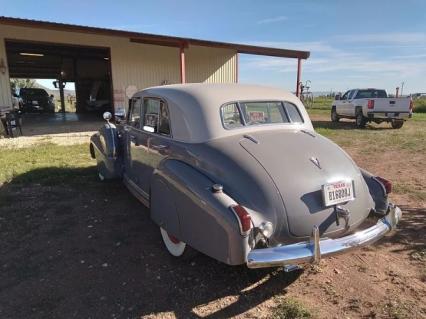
<point x="105" y="147"/>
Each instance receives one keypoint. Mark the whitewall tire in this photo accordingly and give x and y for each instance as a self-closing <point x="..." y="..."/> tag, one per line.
<point x="173" y="245"/>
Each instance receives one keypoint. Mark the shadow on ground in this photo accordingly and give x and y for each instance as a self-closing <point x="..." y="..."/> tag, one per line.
<point x="74" y="247"/>
<point x="410" y="231"/>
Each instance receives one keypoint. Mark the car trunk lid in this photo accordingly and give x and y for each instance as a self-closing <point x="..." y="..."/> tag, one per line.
<point x="300" y="163"/>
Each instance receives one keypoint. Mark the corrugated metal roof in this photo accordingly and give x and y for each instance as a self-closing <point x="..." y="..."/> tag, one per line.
<point x="155" y="39"/>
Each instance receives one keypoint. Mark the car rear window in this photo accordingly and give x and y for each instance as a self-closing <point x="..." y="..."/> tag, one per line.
<point x="240" y="114"/>
<point x="371" y="94"/>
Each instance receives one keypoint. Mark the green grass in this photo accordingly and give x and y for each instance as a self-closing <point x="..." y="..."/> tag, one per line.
<point x="322" y="103"/>
<point x="47" y="163"/>
<point x="291" y="309"/>
<point x="420" y="105"/>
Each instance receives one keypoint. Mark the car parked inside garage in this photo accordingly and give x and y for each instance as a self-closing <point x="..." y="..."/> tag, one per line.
<point x="238" y="173"/>
<point x="36" y="100"/>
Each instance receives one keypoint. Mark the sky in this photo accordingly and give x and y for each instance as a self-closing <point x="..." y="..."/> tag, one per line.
<point x="352" y="43"/>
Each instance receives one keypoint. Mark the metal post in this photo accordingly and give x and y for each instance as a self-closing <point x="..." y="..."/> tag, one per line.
<point x="61" y="93"/>
<point x="236" y="67"/>
<point x="182" y="64"/>
<point x="299" y="74"/>
<point x="397" y="92"/>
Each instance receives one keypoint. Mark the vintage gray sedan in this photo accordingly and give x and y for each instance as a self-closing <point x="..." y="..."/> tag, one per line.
<point x="238" y="173"/>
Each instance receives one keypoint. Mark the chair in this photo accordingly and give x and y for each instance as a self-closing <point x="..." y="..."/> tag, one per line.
<point x="13" y="124"/>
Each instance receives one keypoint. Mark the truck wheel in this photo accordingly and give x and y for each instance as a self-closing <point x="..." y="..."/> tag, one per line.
<point x="396" y="124"/>
<point x="360" y="120"/>
<point x="176" y="247"/>
<point x="334" y="117"/>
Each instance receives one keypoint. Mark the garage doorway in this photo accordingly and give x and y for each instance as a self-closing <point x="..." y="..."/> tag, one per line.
<point x="88" y="68"/>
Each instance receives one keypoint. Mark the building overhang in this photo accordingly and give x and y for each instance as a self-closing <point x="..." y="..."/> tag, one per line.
<point x="155" y="39"/>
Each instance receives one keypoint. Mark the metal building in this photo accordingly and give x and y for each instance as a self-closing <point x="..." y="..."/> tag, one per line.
<point x="120" y="62"/>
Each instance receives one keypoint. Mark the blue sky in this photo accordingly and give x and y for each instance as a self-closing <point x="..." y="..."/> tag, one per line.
<point x="352" y="43"/>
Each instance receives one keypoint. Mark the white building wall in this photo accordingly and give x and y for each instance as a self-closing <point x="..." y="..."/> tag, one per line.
<point x="141" y="65"/>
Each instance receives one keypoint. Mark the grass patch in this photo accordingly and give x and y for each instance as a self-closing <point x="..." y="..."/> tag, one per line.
<point x="322" y="103"/>
<point x="48" y="163"/>
<point x="291" y="309"/>
<point x="420" y="105"/>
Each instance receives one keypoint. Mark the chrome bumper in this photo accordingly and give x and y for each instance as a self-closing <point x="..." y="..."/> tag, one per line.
<point x="312" y="251"/>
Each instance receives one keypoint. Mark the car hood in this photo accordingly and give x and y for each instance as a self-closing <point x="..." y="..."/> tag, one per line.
<point x="299" y="164"/>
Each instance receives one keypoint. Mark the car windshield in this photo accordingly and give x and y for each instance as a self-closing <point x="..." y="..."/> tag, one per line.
<point x="371" y="94"/>
<point x="240" y="114"/>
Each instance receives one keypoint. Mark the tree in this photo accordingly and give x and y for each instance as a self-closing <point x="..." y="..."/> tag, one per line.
<point x="16" y="84"/>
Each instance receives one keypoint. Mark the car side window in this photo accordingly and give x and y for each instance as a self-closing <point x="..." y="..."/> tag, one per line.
<point x="345" y="96"/>
<point x="151" y="110"/>
<point x="293" y="112"/>
<point x="352" y="95"/>
<point x="231" y="116"/>
<point x="164" y="127"/>
<point x="156" y="117"/>
<point x="135" y="113"/>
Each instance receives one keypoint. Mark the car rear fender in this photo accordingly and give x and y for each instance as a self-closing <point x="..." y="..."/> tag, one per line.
<point x="104" y="147"/>
<point x="184" y="204"/>
<point x="377" y="192"/>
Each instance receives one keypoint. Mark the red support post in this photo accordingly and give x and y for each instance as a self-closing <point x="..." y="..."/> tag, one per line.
<point x="182" y="64"/>
<point x="299" y="76"/>
<point x="236" y="67"/>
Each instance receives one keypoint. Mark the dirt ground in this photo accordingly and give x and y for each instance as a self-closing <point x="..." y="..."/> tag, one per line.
<point x="93" y="252"/>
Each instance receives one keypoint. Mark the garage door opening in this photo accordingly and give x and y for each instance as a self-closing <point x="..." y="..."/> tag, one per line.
<point x="88" y="68"/>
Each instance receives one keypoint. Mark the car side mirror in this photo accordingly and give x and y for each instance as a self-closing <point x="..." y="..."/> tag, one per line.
<point x="337" y="97"/>
<point x="107" y="116"/>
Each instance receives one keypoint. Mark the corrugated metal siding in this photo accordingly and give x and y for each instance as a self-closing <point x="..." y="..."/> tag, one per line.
<point x="204" y="64"/>
<point x="141" y="65"/>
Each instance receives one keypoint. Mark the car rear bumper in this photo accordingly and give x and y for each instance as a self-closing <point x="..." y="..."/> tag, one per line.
<point x="388" y="115"/>
<point x="312" y="251"/>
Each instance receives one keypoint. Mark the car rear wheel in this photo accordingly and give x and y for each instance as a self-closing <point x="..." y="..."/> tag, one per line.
<point x="176" y="247"/>
<point x="173" y="245"/>
<point x="396" y="124"/>
<point x="334" y="117"/>
<point x="360" y="120"/>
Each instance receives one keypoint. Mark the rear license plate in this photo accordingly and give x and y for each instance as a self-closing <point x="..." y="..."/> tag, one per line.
<point x="338" y="192"/>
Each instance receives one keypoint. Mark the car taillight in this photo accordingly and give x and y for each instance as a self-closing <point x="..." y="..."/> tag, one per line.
<point x="370" y="104"/>
<point x="243" y="218"/>
<point x="387" y="184"/>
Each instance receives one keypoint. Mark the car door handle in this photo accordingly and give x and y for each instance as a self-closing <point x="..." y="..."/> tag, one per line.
<point x="159" y="147"/>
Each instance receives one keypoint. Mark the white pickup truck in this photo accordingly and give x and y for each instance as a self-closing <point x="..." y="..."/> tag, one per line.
<point x="371" y="105"/>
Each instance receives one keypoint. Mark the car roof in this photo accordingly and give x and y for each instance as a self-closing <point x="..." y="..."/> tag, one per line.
<point x="195" y="107"/>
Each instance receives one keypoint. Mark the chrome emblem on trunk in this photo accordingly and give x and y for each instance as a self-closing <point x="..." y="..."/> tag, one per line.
<point x="315" y="161"/>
